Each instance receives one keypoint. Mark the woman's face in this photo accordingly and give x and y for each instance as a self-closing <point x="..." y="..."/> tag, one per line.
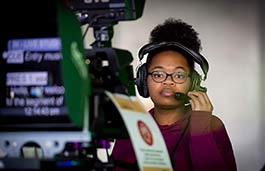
<point x="163" y="93"/>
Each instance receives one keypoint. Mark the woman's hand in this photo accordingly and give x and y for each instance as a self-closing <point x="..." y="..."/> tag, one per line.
<point x="200" y="101"/>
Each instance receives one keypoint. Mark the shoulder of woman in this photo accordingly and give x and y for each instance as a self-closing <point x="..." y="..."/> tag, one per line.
<point x="216" y="123"/>
<point x="207" y="118"/>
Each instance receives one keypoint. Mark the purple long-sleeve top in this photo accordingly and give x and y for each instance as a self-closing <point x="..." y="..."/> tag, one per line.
<point x="204" y="146"/>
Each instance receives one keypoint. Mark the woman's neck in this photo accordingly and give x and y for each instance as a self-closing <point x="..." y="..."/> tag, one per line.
<point x="168" y="116"/>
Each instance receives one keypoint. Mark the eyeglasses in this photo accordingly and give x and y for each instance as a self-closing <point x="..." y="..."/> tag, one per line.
<point x="177" y="77"/>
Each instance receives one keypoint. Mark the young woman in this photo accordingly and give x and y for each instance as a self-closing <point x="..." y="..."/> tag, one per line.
<point x="195" y="138"/>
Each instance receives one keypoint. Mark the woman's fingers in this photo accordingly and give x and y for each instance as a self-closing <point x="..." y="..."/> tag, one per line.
<point x="200" y="101"/>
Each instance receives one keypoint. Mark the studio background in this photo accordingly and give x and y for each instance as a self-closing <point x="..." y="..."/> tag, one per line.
<point x="232" y="36"/>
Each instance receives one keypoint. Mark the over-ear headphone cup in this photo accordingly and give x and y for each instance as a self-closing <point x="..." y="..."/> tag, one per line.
<point x="141" y="81"/>
<point x="196" y="82"/>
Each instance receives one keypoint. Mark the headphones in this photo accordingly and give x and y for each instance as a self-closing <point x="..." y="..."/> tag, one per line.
<point x="196" y="78"/>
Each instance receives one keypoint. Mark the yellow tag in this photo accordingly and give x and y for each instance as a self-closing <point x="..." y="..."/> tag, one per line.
<point x="129" y="104"/>
<point x="156" y="169"/>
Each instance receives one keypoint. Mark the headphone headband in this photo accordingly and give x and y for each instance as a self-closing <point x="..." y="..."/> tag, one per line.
<point x="197" y="57"/>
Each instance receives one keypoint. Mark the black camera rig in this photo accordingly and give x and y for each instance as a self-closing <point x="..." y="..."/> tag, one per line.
<point x="49" y="118"/>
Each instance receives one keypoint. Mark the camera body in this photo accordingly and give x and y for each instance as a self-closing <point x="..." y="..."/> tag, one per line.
<point x="51" y="88"/>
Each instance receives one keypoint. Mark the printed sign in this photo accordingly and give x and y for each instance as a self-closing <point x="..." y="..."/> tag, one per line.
<point x="147" y="140"/>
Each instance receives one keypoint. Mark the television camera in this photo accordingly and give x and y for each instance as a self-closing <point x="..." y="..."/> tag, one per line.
<point x="53" y="110"/>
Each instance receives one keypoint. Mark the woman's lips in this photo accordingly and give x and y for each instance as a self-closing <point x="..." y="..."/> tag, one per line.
<point x="167" y="92"/>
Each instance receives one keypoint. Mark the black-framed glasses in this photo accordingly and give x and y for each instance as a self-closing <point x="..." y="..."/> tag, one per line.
<point x="177" y="77"/>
